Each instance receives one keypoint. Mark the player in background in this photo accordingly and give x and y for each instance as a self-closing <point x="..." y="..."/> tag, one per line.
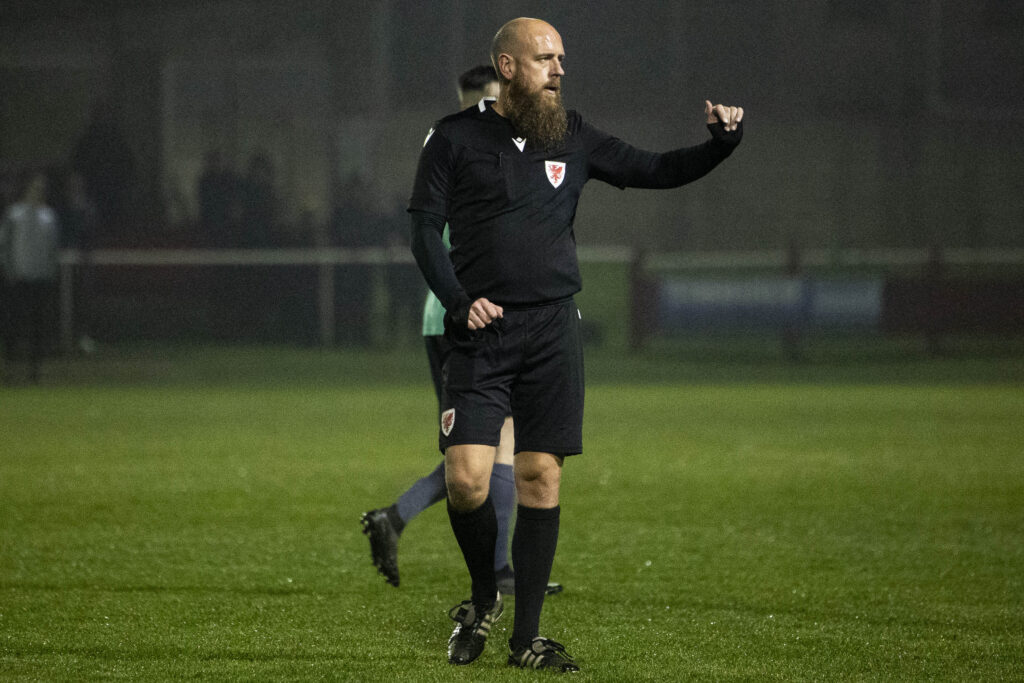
<point x="384" y="526"/>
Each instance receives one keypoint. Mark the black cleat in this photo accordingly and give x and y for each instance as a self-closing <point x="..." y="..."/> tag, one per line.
<point x="471" y="630"/>
<point x="543" y="654"/>
<point x="383" y="543"/>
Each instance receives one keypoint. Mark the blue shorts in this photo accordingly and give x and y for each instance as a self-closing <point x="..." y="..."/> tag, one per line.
<point x="528" y="364"/>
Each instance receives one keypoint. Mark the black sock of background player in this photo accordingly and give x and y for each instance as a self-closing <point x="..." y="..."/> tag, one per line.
<point x="533" y="552"/>
<point x="477" y="532"/>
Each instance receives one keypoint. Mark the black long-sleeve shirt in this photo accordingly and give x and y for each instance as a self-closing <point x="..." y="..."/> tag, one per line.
<point x="510" y="207"/>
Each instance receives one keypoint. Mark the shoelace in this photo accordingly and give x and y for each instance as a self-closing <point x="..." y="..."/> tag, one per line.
<point x="550" y="649"/>
<point x="551" y="646"/>
<point x="461" y="611"/>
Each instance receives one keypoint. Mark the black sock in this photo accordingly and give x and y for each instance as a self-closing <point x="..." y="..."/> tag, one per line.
<point x="396" y="519"/>
<point x="533" y="552"/>
<point x="477" y="532"/>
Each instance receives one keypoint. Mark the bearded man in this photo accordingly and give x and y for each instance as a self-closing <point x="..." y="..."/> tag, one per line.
<point x="506" y="177"/>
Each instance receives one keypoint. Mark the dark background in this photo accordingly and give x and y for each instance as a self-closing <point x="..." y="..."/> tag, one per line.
<point x="871" y="125"/>
<point x="869" y="122"/>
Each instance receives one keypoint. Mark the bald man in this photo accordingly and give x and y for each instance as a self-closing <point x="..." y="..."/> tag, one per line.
<point x="506" y="177"/>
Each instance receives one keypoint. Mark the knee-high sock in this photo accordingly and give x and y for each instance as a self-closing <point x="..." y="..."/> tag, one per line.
<point x="421" y="495"/>
<point x="476" y="531"/>
<point x="503" y="491"/>
<point x="533" y="552"/>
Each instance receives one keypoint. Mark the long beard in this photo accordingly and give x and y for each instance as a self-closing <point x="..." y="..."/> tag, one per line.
<point x="534" y="116"/>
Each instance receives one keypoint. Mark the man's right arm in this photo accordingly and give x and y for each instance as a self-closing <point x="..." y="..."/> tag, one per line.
<point x="432" y="257"/>
<point x="428" y="208"/>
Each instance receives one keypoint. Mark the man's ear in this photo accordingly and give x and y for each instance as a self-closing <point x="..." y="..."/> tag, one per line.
<point x="506" y="66"/>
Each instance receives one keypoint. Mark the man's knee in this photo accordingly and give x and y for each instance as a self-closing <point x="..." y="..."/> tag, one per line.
<point x="467" y="475"/>
<point x="538" y="479"/>
<point x="466" y="493"/>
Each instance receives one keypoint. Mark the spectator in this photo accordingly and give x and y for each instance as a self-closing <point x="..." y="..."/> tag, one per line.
<point x="259" y="203"/>
<point x="218" y="201"/>
<point x="104" y="159"/>
<point x="77" y="215"/>
<point x="8" y="187"/>
<point x="354" y="224"/>
<point x="29" y="238"/>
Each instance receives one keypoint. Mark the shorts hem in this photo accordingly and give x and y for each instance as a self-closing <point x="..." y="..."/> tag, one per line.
<point x="562" y="452"/>
<point x="468" y="442"/>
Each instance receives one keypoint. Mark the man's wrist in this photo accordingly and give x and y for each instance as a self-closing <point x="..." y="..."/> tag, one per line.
<point x="458" y="311"/>
<point x="726" y="137"/>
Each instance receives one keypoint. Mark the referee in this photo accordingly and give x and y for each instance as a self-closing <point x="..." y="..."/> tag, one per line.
<point x="506" y="177"/>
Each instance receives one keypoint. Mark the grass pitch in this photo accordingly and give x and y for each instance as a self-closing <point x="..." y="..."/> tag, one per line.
<point x="173" y="514"/>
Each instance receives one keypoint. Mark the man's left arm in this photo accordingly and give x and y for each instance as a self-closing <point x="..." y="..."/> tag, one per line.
<point x="620" y="164"/>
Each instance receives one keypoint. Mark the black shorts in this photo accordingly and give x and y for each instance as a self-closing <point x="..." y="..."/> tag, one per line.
<point x="528" y="364"/>
<point x="436" y="350"/>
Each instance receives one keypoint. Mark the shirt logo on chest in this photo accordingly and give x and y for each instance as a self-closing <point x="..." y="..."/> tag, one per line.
<point x="520" y="143"/>
<point x="555" y="171"/>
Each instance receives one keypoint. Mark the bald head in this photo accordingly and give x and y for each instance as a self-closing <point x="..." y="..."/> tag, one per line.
<point x="520" y="37"/>
<point x="528" y="55"/>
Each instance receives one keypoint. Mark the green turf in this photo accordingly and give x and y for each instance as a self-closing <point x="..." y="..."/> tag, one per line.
<point x="169" y="514"/>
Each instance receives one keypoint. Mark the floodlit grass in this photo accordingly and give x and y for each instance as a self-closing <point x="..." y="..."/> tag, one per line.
<point x="193" y="514"/>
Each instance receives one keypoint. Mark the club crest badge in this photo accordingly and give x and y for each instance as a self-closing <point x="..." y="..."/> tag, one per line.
<point x="447" y="421"/>
<point x="555" y="171"/>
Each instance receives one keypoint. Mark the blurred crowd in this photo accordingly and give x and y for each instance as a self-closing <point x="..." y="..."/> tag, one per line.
<point x="102" y="200"/>
<point x="96" y="199"/>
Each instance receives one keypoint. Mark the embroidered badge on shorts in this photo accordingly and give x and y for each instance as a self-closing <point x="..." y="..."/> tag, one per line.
<point x="447" y="421"/>
<point x="555" y="171"/>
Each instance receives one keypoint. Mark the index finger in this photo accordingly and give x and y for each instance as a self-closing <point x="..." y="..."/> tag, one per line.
<point x="485" y="311"/>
